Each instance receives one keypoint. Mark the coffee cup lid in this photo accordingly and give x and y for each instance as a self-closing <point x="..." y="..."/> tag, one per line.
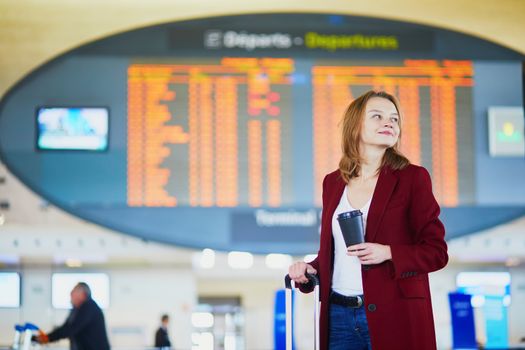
<point x="349" y="214"/>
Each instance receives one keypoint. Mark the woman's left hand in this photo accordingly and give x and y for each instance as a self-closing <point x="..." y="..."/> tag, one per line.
<point x="370" y="253"/>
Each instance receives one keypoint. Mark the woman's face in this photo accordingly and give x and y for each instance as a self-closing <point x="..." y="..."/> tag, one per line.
<point x="380" y="123"/>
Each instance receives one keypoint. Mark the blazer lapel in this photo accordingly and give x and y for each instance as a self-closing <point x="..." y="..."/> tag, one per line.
<point x="385" y="186"/>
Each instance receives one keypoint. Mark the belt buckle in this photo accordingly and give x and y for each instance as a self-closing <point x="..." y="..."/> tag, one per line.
<point x="359" y="301"/>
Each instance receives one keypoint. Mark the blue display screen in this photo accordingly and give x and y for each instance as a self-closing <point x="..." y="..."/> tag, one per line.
<point x="83" y="129"/>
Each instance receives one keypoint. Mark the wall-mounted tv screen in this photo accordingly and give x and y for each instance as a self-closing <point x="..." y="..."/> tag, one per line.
<point x="9" y="289"/>
<point x="63" y="283"/>
<point x="72" y="128"/>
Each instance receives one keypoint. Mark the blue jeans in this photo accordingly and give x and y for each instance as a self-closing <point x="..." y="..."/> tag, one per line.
<point x="348" y="328"/>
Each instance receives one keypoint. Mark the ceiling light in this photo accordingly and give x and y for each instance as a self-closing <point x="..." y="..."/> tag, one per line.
<point x="278" y="261"/>
<point x="240" y="260"/>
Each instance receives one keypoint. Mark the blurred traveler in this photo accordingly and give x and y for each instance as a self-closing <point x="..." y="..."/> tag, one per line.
<point x="85" y="326"/>
<point x="162" y="339"/>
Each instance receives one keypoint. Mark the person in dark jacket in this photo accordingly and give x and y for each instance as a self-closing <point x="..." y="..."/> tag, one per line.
<point x="162" y="339"/>
<point x="85" y="326"/>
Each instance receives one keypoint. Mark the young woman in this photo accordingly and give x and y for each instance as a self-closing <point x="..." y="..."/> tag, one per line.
<point x="376" y="295"/>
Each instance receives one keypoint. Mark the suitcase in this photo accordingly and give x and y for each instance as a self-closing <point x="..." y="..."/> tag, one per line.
<point x="289" y="284"/>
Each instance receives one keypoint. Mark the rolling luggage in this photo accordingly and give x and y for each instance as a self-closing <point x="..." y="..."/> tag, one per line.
<point x="289" y="284"/>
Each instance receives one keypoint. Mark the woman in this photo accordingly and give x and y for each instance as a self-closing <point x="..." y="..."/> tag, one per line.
<point x="376" y="295"/>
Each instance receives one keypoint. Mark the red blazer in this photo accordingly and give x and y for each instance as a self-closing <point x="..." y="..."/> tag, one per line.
<point x="403" y="214"/>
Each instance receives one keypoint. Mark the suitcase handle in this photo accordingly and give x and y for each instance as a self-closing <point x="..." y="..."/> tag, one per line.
<point x="313" y="281"/>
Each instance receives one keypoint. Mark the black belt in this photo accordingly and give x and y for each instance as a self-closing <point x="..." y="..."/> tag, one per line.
<point x="348" y="301"/>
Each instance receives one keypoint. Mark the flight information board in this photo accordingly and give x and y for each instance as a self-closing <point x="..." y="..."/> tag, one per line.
<point x="220" y="132"/>
<point x="428" y="93"/>
<point x="209" y="134"/>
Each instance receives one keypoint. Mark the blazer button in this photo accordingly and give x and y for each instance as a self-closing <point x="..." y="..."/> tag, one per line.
<point x="366" y="267"/>
<point x="372" y="307"/>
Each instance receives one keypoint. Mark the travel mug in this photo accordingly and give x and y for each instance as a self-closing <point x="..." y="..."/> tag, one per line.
<point x="351" y="223"/>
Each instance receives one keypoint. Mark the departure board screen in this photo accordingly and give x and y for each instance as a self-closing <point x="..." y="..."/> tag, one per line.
<point x="210" y="134"/>
<point x="220" y="132"/>
<point x="435" y="98"/>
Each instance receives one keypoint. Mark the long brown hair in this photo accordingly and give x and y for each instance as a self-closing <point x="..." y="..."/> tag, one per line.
<point x="350" y="163"/>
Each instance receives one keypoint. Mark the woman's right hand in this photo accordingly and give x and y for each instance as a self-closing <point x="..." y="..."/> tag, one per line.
<point x="296" y="271"/>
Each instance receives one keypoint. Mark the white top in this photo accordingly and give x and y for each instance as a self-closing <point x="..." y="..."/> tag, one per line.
<point x="346" y="278"/>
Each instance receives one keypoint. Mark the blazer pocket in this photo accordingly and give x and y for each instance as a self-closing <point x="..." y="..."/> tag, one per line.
<point x="396" y="202"/>
<point x="413" y="287"/>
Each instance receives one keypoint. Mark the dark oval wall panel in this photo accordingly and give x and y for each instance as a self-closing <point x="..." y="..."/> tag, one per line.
<point x="220" y="130"/>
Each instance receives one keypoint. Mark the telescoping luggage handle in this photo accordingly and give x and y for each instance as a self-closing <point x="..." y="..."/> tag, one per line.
<point x="19" y="330"/>
<point x="27" y="332"/>
<point x="313" y="280"/>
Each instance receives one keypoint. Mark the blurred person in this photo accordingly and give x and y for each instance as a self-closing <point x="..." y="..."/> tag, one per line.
<point x="85" y="326"/>
<point x="162" y="339"/>
<point x="376" y="295"/>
